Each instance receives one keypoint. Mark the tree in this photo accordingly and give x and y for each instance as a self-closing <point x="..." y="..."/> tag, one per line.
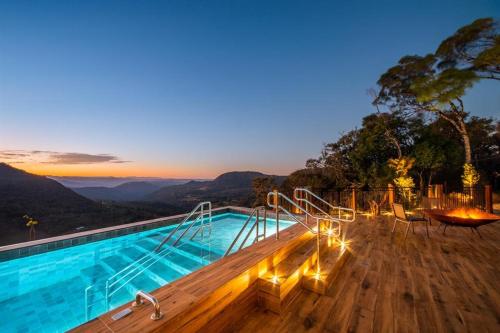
<point x="31" y="224"/>
<point x="404" y="183"/>
<point x="414" y="86"/>
<point x="473" y="48"/>
<point x="429" y="158"/>
<point x="436" y="82"/>
<point x="316" y="179"/>
<point x="261" y="187"/>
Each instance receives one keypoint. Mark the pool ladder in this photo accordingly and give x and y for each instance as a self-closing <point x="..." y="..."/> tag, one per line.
<point x="257" y="213"/>
<point x="203" y="217"/>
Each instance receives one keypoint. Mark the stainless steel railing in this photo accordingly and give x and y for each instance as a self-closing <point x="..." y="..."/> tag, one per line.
<point x="140" y="296"/>
<point x="203" y="208"/>
<point x="274" y="201"/>
<point x="337" y="214"/>
<point x="255" y="226"/>
<point x="203" y="213"/>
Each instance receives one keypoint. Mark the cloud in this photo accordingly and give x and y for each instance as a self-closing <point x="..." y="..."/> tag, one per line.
<point x="80" y="158"/>
<point x="53" y="157"/>
<point x="12" y="154"/>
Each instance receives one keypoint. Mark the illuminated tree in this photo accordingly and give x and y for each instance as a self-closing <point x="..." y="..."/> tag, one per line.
<point x="403" y="181"/>
<point x="31" y="224"/>
<point x="470" y="178"/>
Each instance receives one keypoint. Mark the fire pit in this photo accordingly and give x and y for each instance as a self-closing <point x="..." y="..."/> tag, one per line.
<point x="462" y="217"/>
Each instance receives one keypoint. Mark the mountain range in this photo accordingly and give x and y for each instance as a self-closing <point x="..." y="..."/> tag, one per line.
<point x="58" y="209"/>
<point x="79" y="182"/>
<point x="232" y="188"/>
<point x="63" y="210"/>
<point x="131" y="191"/>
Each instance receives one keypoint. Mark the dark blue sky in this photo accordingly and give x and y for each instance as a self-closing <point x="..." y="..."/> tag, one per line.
<point x="196" y="88"/>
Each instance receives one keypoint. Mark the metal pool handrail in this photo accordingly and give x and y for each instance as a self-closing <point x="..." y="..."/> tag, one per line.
<point x="255" y="225"/>
<point x="276" y="205"/>
<point x="140" y="261"/>
<point x="155" y="256"/>
<point x="140" y="295"/>
<point x="146" y="261"/>
<point x="341" y="230"/>
<point x="301" y="198"/>
<point x="200" y="207"/>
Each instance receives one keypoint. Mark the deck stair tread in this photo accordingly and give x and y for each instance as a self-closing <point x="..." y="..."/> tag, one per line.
<point x="186" y="260"/>
<point x="119" y="263"/>
<point x="200" y="245"/>
<point x="279" y="286"/>
<point x="150" y="273"/>
<point x="331" y="262"/>
<point x="163" y="259"/>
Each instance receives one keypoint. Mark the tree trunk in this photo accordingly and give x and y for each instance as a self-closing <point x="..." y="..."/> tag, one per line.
<point x="458" y="121"/>
<point x="421" y="177"/>
<point x="466" y="140"/>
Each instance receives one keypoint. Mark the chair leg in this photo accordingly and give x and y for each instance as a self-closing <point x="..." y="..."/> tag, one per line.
<point x="444" y="228"/>
<point x="407" y="228"/>
<point x="413" y="227"/>
<point x="427" y="228"/>
<point x="394" y="226"/>
<point x="478" y="233"/>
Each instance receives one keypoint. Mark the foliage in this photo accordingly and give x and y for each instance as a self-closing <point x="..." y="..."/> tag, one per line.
<point x="473" y="48"/>
<point x="360" y="157"/>
<point x="403" y="181"/>
<point x="470" y="176"/>
<point x="261" y="187"/>
<point x="435" y="83"/>
<point x="317" y="179"/>
<point x="30" y="222"/>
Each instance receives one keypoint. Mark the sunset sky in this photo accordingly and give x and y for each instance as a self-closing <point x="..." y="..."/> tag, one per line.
<point x="198" y="88"/>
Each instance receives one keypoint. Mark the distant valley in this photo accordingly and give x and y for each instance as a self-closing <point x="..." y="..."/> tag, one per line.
<point x="79" y="182"/>
<point x="61" y="209"/>
<point x="131" y="191"/>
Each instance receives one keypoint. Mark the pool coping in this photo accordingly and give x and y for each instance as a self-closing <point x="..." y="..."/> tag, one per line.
<point x="25" y="249"/>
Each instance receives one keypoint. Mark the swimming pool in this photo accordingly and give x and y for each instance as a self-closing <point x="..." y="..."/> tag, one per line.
<point x="46" y="292"/>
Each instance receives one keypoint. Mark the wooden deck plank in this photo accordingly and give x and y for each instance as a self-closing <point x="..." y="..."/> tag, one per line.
<point x="448" y="283"/>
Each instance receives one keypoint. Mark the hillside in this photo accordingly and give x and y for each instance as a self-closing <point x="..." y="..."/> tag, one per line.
<point x="232" y="188"/>
<point x="130" y="191"/>
<point x="58" y="209"/>
<point x="79" y="182"/>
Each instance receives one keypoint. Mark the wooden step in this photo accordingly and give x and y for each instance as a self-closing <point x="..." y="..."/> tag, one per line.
<point x="279" y="286"/>
<point x="331" y="262"/>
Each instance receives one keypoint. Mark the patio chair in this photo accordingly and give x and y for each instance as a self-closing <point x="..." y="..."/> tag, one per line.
<point x="400" y="216"/>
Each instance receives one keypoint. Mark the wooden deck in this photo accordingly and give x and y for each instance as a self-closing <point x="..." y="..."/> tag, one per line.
<point x="448" y="283"/>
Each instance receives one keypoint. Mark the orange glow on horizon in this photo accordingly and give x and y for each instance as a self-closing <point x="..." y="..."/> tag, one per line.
<point x="112" y="170"/>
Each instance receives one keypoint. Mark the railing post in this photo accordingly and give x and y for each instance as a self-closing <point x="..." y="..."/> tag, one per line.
<point x="308" y="198"/>
<point x="430" y="191"/>
<point x="107" y="295"/>
<point x="257" y="226"/>
<point x="265" y="221"/>
<point x="439" y="195"/>
<point x="276" y="202"/>
<point x="353" y="204"/>
<point x="488" y="196"/>
<point x="390" y="190"/>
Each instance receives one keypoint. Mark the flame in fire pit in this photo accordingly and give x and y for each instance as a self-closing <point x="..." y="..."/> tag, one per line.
<point x="467" y="213"/>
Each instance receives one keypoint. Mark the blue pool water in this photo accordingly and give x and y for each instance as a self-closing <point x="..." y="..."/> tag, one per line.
<point x="46" y="292"/>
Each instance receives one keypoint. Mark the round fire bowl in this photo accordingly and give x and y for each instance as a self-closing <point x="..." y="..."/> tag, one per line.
<point x="464" y="217"/>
